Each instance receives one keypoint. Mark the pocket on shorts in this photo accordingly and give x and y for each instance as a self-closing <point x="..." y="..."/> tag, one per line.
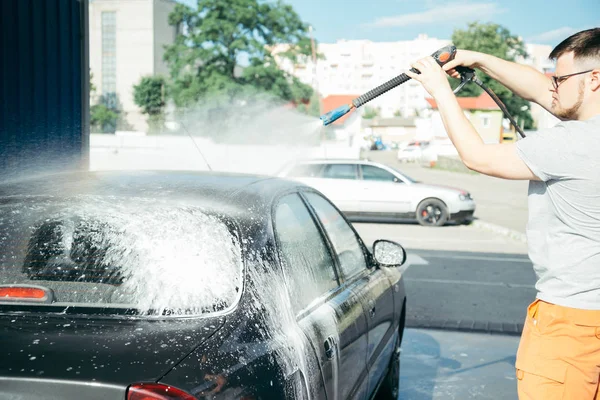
<point x="555" y="370"/>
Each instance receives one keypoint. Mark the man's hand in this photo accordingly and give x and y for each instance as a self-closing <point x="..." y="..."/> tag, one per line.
<point x="432" y="76"/>
<point x="464" y="58"/>
<point x="499" y="160"/>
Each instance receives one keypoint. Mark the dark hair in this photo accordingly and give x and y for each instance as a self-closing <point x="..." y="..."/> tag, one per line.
<point x="584" y="44"/>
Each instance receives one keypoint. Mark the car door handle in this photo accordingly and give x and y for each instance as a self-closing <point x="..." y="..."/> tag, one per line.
<point x="372" y="310"/>
<point x="329" y="346"/>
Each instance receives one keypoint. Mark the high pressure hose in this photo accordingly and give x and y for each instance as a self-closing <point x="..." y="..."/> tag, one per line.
<point x="442" y="56"/>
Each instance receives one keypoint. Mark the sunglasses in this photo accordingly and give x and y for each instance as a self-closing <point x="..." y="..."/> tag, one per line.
<point x="557" y="80"/>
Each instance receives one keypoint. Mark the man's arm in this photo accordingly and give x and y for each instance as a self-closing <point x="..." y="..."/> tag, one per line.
<point x="523" y="80"/>
<point x="499" y="160"/>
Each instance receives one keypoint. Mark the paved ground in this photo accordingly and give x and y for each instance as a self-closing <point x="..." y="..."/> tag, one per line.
<point x="466" y="280"/>
<point x="460" y="276"/>
<point x="457" y="366"/>
<point x="452" y="238"/>
<point x="499" y="201"/>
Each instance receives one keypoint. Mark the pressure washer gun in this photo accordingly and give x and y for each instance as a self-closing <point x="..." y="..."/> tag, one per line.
<point x="441" y="56"/>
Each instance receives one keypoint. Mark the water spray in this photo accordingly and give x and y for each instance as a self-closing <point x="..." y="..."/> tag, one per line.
<point x="441" y="56"/>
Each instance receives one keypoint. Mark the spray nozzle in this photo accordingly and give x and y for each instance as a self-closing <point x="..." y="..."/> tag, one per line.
<point x="334" y="115"/>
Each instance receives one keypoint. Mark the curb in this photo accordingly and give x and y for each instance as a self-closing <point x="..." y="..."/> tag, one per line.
<point x="465" y="325"/>
<point x="510" y="233"/>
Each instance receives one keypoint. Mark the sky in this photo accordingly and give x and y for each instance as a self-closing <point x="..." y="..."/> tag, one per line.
<point x="536" y="21"/>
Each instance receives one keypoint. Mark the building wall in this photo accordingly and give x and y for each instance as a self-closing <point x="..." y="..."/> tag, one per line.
<point x="488" y="124"/>
<point x="43" y="86"/>
<point x="395" y="134"/>
<point x="164" y="34"/>
<point x="357" y="66"/>
<point x="141" y="33"/>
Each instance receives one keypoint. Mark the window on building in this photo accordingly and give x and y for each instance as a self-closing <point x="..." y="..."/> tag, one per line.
<point x="485" y="121"/>
<point x="109" y="57"/>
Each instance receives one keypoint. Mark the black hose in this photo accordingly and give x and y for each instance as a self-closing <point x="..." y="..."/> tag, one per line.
<point x="381" y="89"/>
<point x="501" y="105"/>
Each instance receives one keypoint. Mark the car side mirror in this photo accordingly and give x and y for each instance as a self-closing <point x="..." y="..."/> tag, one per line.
<point x="388" y="253"/>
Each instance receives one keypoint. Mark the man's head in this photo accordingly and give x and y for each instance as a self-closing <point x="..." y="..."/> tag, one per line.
<point x="576" y="83"/>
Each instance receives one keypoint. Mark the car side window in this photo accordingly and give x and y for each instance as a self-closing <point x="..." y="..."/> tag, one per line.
<point x="306" y="170"/>
<point x="308" y="263"/>
<point x="342" y="236"/>
<point x="371" y="173"/>
<point x="340" y="171"/>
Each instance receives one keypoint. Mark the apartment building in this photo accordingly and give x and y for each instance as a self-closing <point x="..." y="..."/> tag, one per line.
<point x="127" y="39"/>
<point x="357" y="66"/>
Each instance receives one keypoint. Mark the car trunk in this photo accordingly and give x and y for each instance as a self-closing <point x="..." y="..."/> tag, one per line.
<point x="46" y="356"/>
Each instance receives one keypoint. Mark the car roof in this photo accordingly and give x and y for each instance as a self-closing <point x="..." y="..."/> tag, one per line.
<point x="337" y="161"/>
<point x="228" y="193"/>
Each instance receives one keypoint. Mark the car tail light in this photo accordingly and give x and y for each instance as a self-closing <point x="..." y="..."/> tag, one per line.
<point x="28" y="293"/>
<point x="156" y="391"/>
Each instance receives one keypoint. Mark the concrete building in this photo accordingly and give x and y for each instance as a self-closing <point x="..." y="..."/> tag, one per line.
<point x="482" y="111"/>
<point x="357" y="66"/>
<point x="127" y="39"/>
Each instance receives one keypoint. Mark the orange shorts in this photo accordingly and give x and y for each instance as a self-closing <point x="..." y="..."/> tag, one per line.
<point x="559" y="353"/>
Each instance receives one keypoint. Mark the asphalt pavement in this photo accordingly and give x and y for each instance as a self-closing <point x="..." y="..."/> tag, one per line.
<point x="445" y="365"/>
<point x="467" y="295"/>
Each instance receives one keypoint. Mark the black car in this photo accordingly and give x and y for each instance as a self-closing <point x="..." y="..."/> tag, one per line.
<point x="176" y="285"/>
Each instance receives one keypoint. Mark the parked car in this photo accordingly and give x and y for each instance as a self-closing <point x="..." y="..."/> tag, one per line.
<point x="430" y="154"/>
<point x="369" y="191"/>
<point x="412" y="151"/>
<point x="410" y="154"/>
<point x="173" y="285"/>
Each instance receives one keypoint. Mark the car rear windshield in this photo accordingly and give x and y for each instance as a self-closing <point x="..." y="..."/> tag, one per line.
<point x="102" y="252"/>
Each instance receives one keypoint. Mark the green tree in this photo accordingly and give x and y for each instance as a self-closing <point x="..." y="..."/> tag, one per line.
<point x="398" y="113"/>
<point x="103" y="118"/>
<point x="496" y="40"/>
<point x="149" y="95"/>
<point x="92" y="86"/>
<point x="370" y="113"/>
<point x="218" y="37"/>
<point x="313" y="107"/>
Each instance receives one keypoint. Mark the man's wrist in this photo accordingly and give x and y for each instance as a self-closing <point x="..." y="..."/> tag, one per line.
<point x="443" y="95"/>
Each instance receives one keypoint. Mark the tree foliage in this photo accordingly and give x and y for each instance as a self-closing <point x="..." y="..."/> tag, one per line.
<point x="496" y="40"/>
<point x="103" y="118"/>
<point x="149" y="94"/>
<point x="224" y="48"/>
<point x="370" y="113"/>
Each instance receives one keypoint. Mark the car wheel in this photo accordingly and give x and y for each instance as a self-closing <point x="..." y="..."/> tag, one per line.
<point x="390" y="387"/>
<point x="432" y="212"/>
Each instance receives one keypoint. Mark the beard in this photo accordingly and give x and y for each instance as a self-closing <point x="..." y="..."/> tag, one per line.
<point x="571" y="112"/>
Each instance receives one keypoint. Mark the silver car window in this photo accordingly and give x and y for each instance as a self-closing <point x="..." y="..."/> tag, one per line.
<point x="371" y="173"/>
<point x="306" y="170"/>
<point x="340" y="171"/>
<point x="308" y="264"/>
<point x="342" y="236"/>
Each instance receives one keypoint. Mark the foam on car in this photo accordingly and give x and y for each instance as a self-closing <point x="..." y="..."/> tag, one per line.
<point x="155" y="257"/>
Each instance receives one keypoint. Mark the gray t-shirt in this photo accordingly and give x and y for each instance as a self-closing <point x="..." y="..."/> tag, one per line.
<point x="563" y="231"/>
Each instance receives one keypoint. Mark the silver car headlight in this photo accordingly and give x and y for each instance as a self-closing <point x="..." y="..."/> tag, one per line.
<point x="465" y="196"/>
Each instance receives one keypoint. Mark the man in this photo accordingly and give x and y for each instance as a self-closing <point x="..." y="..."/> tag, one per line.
<point x="559" y="353"/>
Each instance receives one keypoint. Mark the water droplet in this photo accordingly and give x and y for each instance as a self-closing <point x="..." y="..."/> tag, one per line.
<point x="32" y="358"/>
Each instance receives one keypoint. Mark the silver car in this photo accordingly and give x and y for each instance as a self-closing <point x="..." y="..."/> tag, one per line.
<point x="366" y="190"/>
